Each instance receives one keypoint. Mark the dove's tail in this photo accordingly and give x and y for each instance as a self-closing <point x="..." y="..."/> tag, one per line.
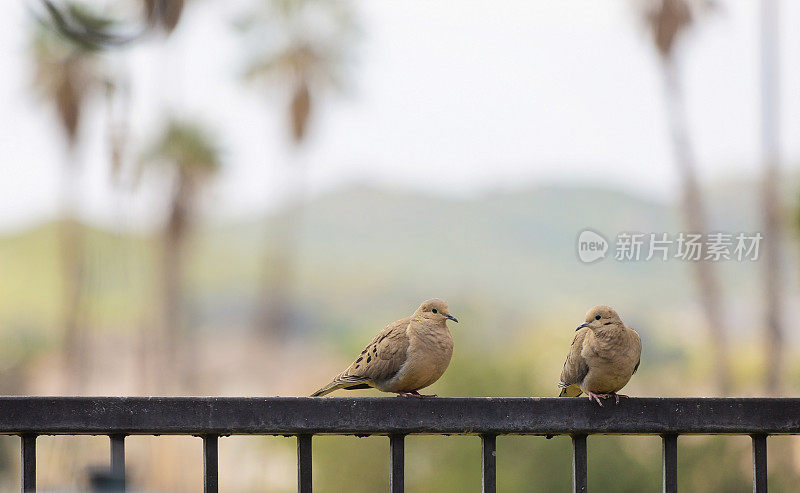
<point x="328" y="389"/>
<point x="570" y="391"/>
<point x="338" y="384"/>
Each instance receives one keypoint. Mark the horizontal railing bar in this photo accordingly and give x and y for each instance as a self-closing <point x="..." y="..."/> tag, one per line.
<point x="395" y="415"/>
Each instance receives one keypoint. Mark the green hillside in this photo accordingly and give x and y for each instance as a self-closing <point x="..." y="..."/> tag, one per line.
<point x="364" y="252"/>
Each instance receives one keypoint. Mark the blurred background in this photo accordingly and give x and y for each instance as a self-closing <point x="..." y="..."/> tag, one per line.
<point x="231" y="198"/>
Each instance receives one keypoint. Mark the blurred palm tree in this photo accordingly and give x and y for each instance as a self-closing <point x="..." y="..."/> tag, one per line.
<point x="301" y="47"/>
<point x="163" y="17"/>
<point x="192" y="157"/>
<point x="66" y="72"/>
<point x="94" y="33"/>
<point x="667" y="19"/>
<point x="160" y="15"/>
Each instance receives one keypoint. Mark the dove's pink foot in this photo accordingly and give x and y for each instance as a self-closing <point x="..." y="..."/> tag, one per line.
<point x="415" y="393"/>
<point x="617" y="396"/>
<point x="596" y="397"/>
<point x="411" y="394"/>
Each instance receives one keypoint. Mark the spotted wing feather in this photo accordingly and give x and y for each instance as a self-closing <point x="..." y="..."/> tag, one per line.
<point x="382" y="357"/>
<point x="575" y="367"/>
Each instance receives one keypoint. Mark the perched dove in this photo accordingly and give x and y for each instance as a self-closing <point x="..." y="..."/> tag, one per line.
<point x="603" y="357"/>
<point x="406" y="356"/>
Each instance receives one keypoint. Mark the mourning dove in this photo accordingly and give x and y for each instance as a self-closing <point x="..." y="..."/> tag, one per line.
<point x="604" y="355"/>
<point x="406" y="356"/>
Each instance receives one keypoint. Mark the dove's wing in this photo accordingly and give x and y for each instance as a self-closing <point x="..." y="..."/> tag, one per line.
<point x="382" y="357"/>
<point x="575" y="367"/>
<point x="636" y="348"/>
<point x="380" y="360"/>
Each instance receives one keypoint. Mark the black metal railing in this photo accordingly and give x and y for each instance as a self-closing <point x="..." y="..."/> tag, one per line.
<point x="396" y="417"/>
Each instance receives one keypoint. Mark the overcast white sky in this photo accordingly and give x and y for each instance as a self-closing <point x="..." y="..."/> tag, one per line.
<point x="452" y="97"/>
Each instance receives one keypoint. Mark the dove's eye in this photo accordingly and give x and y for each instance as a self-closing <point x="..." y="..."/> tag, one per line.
<point x="435" y="310"/>
<point x="597" y="317"/>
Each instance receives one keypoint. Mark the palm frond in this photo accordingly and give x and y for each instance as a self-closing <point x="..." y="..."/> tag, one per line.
<point x="64" y="74"/>
<point x="91" y="31"/>
<point x="300" y="39"/>
<point x="187" y="146"/>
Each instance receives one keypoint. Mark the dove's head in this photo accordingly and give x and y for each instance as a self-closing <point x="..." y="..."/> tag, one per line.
<point x="600" y="316"/>
<point x="435" y="310"/>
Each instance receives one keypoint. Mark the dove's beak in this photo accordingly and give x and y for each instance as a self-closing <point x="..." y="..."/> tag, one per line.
<point x="454" y="319"/>
<point x="581" y="326"/>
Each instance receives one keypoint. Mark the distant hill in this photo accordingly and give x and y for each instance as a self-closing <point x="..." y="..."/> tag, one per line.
<point x="506" y="258"/>
<point x="512" y="253"/>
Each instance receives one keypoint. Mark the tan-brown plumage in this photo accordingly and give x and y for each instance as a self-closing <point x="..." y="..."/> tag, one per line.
<point x="408" y="355"/>
<point x="603" y="357"/>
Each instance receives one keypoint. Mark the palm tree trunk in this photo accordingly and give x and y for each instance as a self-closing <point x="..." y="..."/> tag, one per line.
<point x="770" y="196"/>
<point x="172" y="364"/>
<point x="275" y="317"/>
<point x="695" y="221"/>
<point x="71" y="247"/>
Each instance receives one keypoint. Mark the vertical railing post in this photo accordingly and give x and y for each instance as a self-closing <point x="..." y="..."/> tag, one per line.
<point x="669" y="463"/>
<point x="397" y="463"/>
<point x="28" y="463"/>
<point x="759" y="463"/>
<point x="488" y="463"/>
<point x="579" y="471"/>
<point x="117" y="443"/>
<point x="210" y="463"/>
<point x="304" y="476"/>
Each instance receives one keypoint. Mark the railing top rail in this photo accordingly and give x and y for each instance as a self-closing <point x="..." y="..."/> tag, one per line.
<point x="395" y="415"/>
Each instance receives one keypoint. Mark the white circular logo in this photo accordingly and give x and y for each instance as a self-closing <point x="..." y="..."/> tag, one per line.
<point x="591" y="246"/>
